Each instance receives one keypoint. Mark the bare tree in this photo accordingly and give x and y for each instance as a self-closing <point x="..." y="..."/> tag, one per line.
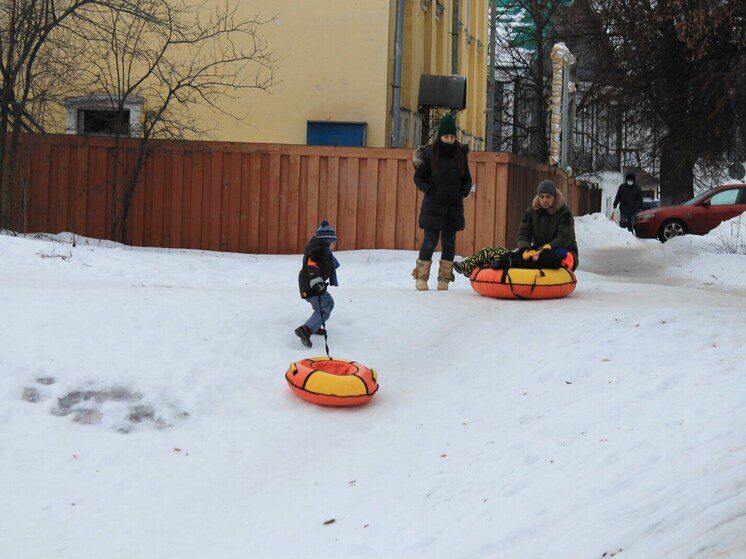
<point x="523" y="58"/>
<point x="660" y="85"/>
<point x="678" y="68"/>
<point x="528" y="29"/>
<point x="173" y="56"/>
<point x="34" y="55"/>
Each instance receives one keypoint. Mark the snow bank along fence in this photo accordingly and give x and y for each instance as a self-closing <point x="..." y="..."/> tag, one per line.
<point x="264" y="198"/>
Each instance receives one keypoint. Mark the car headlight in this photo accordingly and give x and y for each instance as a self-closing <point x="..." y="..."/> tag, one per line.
<point x="645" y="217"/>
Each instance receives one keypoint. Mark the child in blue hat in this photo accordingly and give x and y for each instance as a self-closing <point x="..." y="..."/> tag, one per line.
<point x="319" y="267"/>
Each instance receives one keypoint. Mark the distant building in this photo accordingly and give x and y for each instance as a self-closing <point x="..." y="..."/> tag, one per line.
<point x="599" y="150"/>
<point x="335" y="74"/>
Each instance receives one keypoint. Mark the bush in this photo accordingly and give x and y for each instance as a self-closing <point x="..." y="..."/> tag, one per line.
<point x="730" y="237"/>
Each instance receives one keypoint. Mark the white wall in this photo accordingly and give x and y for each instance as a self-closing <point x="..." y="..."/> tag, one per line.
<point x="609" y="182"/>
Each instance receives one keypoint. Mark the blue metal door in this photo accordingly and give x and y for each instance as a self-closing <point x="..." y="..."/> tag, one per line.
<point x="324" y="133"/>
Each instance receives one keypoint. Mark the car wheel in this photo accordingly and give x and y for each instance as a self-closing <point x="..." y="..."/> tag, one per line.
<point x="671" y="228"/>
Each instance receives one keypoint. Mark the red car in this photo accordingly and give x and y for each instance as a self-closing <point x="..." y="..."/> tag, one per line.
<point x="698" y="216"/>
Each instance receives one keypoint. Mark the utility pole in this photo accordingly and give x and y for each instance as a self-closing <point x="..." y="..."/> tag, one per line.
<point x="490" y="112"/>
<point x="396" y="102"/>
<point x="456" y="33"/>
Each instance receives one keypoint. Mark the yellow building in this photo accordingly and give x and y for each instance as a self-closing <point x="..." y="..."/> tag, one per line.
<point x="429" y="49"/>
<point x="336" y="65"/>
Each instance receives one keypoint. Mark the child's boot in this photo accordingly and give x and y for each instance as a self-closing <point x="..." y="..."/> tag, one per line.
<point x="304" y="333"/>
<point x="458" y="265"/>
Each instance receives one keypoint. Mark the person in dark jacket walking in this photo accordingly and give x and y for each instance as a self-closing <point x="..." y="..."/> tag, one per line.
<point x="442" y="173"/>
<point x="319" y="267"/>
<point x="629" y="200"/>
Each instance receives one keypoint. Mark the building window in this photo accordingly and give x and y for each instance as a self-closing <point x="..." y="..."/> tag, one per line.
<point x="98" y="122"/>
<point x="96" y="115"/>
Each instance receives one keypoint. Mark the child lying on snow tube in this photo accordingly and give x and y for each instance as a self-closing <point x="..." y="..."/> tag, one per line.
<point x="500" y="258"/>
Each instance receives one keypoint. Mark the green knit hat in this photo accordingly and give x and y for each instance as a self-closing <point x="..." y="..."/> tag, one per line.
<point x="446" y="126"/>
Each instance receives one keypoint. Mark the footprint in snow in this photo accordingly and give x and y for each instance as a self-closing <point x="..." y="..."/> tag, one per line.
<point x="85" y="406"/>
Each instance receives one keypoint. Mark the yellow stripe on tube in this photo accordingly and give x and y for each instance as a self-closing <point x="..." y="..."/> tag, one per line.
<point x="520" y="276"/>
<point x="335" y="385"/>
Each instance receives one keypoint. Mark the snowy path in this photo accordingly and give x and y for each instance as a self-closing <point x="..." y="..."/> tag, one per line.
<point x="627" y="263"/>
<point x="560" y="429"/>
<point x="641" y="263"/>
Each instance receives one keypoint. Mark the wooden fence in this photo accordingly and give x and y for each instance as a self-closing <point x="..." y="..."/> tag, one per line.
<point x="264" y="198"/>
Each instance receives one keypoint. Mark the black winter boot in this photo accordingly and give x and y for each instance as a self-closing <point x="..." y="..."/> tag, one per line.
<point x="458" y="265"/>
<point x="320" y="332"/>
<point x="304" y="333"/>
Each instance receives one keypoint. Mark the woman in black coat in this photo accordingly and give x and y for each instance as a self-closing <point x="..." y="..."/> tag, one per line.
<point x="442" y="173"/>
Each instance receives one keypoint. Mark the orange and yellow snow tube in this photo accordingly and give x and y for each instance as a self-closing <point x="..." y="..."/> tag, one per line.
<point x="518" y="283"/>
<point x="332" y="382"/>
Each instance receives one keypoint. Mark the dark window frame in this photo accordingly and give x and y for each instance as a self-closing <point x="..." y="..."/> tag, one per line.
<point x="100" y="115"/>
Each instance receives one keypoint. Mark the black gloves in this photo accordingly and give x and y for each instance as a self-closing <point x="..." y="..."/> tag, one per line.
<point x="502" y="263"/>
<point x="318" y="284"/>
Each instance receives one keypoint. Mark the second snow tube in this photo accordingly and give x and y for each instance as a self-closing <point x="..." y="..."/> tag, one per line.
<point x="520" y="283"/>
<point x="332" y="382"/>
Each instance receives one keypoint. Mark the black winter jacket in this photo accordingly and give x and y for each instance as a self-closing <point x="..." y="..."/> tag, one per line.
<point x="317" y="263"/>
<point x="445" y="190"/>
<point x="628" y="198"/>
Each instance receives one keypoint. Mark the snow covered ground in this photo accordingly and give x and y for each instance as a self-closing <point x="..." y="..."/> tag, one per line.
<point x="144" y="411"/>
